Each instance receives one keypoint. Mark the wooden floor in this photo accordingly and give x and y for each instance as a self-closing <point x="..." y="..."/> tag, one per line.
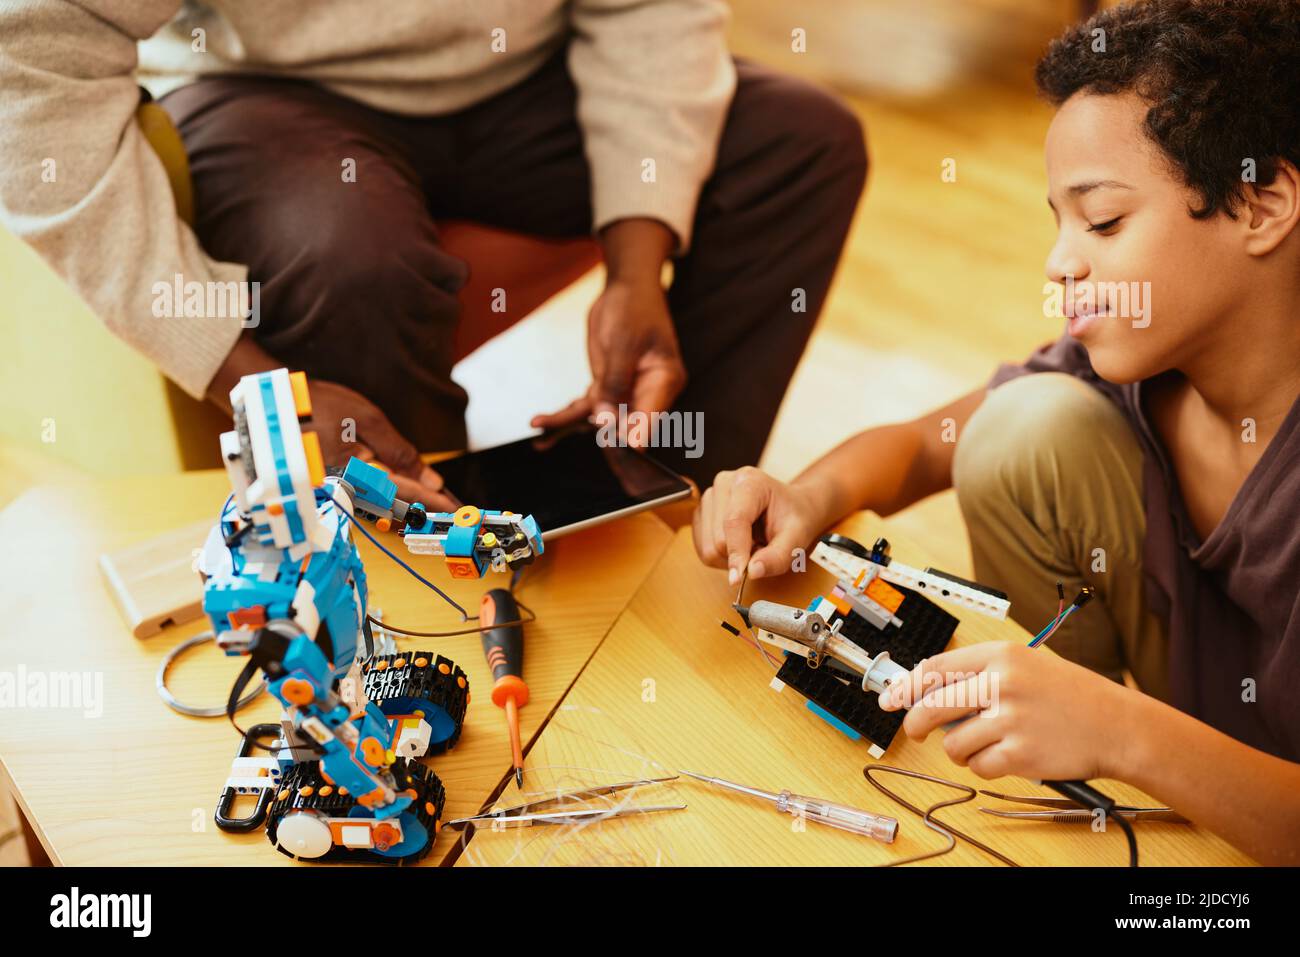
<point x="940" y="280"/>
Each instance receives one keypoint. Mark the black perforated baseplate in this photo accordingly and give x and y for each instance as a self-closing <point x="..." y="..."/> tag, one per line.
<point x="926" y="631"/>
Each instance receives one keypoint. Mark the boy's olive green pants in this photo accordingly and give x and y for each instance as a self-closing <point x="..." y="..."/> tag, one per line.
<point x="1049" y="477"/>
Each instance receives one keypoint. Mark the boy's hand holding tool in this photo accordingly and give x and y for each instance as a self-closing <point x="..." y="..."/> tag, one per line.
<point x="789" y="517"/>
<point x="1039" y="716"/>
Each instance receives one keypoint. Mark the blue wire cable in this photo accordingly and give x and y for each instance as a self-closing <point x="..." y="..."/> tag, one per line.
<point x="1042" y="635"/>
<point x="326" y="496"/>
<point x="1046" y="628"/>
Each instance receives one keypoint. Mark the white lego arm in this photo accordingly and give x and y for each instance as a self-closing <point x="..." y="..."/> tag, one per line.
<point x="846" y="566"/>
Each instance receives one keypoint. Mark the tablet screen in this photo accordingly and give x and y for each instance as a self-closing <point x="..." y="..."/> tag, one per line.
<point x="564" y="479"/>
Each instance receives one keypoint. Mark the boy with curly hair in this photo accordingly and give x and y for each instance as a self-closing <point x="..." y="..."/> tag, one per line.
<point x="1152" y="452"/>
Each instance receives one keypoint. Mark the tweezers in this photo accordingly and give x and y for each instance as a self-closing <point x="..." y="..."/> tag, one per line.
<point x="1065" y="811"/>
<point x="520" y="816"/>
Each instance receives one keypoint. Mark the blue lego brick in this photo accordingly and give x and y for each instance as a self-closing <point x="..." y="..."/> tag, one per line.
<point x="372" y="484"/>
<point x="530" y="528"/>
<point x="833" y="721"/>
<point x="296" y="531"/>
<point x="234" y="594"/>
<point x="267" y="388"/>
<point x="460" y="541"/>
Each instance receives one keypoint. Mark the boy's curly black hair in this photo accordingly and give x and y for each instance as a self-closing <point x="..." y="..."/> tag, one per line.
<point x="1222" y="78"/>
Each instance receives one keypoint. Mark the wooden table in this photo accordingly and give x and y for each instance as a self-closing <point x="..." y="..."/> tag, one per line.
<point x="137" y="784"/>
<point x="670" y="689"/>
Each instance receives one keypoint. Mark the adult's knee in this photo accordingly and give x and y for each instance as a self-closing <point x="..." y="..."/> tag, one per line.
<point x="349" y="258"/>
<point x="357" y="244"/>
<point x="817" y="133"/>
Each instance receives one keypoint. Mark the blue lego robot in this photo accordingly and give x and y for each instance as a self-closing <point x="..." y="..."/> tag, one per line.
<point x="284" y="586"/>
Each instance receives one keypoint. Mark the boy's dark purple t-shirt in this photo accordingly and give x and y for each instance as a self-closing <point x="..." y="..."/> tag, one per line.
<point x="1230" y="604"/>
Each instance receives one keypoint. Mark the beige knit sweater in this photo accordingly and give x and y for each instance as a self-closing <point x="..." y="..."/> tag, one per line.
<point x="653" y="76"/>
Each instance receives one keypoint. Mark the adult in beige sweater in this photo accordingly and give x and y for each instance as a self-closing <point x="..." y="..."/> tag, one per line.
<point x="325" y="141"/>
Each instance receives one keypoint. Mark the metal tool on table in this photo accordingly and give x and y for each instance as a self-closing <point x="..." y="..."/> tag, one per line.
<point x="503" y="645"/>
<point x="526" y="815"/>
<point x="1066" y="811"/>
<point x="815" y="809"/>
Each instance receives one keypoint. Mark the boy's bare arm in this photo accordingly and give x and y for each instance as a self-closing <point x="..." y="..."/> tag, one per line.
<point x="1248" y="798"/>
<point x="883" y="469"/>
<point x="888" y="468"/>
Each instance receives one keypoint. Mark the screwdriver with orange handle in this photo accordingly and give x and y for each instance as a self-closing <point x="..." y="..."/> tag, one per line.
<point x="503" y="645"/>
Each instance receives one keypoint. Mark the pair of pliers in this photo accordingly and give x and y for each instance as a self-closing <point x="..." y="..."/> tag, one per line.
<point x="520" y="815"/>
<point x="1065" y="811"/>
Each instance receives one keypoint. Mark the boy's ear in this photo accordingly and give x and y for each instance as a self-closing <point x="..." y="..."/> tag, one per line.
<point x="1272" y="212"/>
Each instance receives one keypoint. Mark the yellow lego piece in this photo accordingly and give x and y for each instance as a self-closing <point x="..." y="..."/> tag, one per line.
<point x="301" y="399"/>
<point x="315" y="461"/>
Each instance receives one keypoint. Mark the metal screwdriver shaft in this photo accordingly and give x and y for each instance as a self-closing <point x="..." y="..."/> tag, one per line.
<point x="841" y="816"/>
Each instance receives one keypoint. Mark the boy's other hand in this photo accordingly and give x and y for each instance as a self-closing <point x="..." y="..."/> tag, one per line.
<point x="1028" y="712"/>
<point x="787" y="517"/>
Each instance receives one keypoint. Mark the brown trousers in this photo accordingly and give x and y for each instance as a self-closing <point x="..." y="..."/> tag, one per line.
<point x="1049" y="478"/>
<point x="356" y="288"/>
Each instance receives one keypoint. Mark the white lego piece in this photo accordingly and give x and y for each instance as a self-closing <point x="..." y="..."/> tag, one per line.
<point x="778" y="641"/>
<point x="317" y="730"/>
<point x="253" y="774"/>
<point x="304" y="834"/>
<point x="355" y="835"/>
<point x="424" y="544"/>
<point x="215" y="558"/>
<point x="306" y="614"/>
<point x="412" y="737"/>
<point x="843" y="565"/>
<point x="262" y="496"/>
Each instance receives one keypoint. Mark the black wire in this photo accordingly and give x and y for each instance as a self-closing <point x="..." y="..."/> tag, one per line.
<point x="232" y="703"/>
<point x="515" y="578"/>
<point x="464" y="615"/>
<point x="1089" y="798"/>
<point x="928" y="814"/>
<point x="1127" y="828"/>
<point x="406" y="632"/>
<point x="472" y="630"/>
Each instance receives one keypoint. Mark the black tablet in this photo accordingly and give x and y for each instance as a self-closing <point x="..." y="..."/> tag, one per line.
<point x="566" y="480"/>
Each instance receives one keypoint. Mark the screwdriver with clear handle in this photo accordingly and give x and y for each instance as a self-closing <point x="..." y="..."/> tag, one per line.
<point x="815" y="809"/>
